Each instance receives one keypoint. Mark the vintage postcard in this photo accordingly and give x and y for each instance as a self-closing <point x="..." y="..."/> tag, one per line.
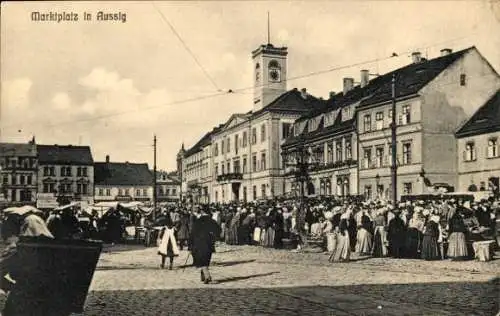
<point x="250" y="158"/>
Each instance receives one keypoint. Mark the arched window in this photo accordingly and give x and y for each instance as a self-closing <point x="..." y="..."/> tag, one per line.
<point x="257" y="66"/>
<point x="274" y="64"/>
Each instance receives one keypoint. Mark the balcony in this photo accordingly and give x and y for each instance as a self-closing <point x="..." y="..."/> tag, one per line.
<point x="230" y="177"/>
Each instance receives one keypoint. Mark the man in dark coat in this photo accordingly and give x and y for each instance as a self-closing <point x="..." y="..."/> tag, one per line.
<point x="203" y="237"/>
<point x="397" y="236"/>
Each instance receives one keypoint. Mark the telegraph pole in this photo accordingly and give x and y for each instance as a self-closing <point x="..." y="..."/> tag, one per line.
<point x="394" y="165"/>
<point x="154" y="178"/>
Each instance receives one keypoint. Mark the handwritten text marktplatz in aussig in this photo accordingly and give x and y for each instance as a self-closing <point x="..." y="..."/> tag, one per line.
<point x="64" y="16"/>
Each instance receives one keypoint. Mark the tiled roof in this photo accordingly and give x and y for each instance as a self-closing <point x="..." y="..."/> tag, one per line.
<point x="292" y="101"/>
<point x="15" y="149"/>
<point x="409" y="79"/>
<point x="64" y="155"/>
<point x="485" y="120"/>
<point x="122" y="173"/>
<point x="205" y="140"/>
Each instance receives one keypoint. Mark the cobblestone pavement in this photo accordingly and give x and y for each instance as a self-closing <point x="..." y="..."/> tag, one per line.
<point x="257" y="281"/>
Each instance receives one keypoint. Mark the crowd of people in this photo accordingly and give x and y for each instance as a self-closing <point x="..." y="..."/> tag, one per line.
<point x="430" y="230"/>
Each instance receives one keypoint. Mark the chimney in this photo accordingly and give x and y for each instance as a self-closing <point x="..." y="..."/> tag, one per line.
<point x="416" y="57"/>
<point x="446" y="51"/>
<point x="303" y="93"/>
<point x="365" y="77"/>
<point x="348" y="84"/>
<point x="107" y="158"/>
<point x="332" y="94"/>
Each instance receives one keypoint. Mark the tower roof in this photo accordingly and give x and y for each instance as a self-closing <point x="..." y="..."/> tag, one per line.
<point x="270" y="49"/>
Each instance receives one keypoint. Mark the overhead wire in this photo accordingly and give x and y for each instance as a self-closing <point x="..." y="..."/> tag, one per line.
<point x="240" y="90"/>
<point x="186" y="47"/>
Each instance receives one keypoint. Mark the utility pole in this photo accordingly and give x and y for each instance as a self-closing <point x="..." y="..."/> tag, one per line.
<point x="154" y="178"/>
<point x="394" y="165"/>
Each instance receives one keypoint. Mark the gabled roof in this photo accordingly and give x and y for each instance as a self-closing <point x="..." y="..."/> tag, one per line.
<point x="292" y="101"/>
<point x="204" y="141"/>
<point x="16" y="149"/>
<point x="485" y="120"/>
<point x="122" y="173"/>
<point x="410" y="79"/>
<point x="64" y="155"/>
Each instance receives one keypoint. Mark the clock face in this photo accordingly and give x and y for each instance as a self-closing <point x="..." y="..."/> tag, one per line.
<point x="274" y="75"/>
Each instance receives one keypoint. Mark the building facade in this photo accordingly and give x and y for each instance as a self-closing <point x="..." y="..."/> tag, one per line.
<point x="432" y="98"/>
<point x="123" y="181"/>
<point x="196" y="174"/>
<point x="168" y="187"/>
<point x="240" y="160"/>
<point x="328" y="136"/>
<point x="18" y="173"/>
<point x="479" y="149"/>
<point x="65" y="174"/>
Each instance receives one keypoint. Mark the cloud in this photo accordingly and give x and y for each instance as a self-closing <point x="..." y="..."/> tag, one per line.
<point x="61" y="101"/>
<point x="16" y="93"/>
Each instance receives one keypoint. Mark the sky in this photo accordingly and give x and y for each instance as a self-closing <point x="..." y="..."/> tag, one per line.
<point x="112" y="85"/>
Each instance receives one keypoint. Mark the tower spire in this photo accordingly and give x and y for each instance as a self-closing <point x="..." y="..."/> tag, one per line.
<point x="268" y="29"/>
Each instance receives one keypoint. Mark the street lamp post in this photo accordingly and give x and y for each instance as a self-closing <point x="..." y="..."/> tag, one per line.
<point x="302" y="161"/>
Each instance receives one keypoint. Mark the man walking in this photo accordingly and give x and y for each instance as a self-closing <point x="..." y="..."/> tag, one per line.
<point x="203" y="236"/>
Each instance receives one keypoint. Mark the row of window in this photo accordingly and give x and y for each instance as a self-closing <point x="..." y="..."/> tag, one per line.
<point x="342" y="152"/>
<point x="470" y="153"/>
<point x="18" y="162"/>
<point x="65" y="171"/>
<point x="167" y="191"/>
<point x="403" y="119"/>
<point x="384" y="192"/>
<point x="237" y="168"/>
<point x="66" y="188"/>
<point x="244" y="197"/>
<point x="18" y="179"/>
<point x="121" y="192"/>
<point x="225" y="145"/>
<point x="23" y="196"/>
<point x="380" y="159"/>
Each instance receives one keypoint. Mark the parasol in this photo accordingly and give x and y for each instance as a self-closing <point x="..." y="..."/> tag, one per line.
<point x="23" y="210"/>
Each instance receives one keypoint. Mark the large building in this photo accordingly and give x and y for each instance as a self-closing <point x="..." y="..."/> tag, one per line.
<point x="65" y="174"/>
<point x="432" y="97"/>
<point x="479" y="149"/>
<point x="122" y="181"/>
<point x="196" y="170"/>
<point x="18" y="173"/>
<point x="241" y="159"/>
<point x="168" y="187"/>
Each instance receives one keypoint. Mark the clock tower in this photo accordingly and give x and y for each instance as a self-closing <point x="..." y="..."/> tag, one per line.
<point x="269" y="65"/>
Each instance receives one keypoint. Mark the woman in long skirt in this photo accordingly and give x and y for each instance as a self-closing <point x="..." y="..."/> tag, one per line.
<point x="414" y="234"/>
<point x="167" y="245"/>
<point x="430" y="249"/>
<point x="343" y="250"/>
<point x="364" y="237"/>
<point x="379" y="236"/>
<point x="232" y="231"/>
<point x="457" y="247"/>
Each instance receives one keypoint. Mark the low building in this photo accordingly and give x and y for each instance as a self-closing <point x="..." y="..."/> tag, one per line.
<point x="168" y="187"/>
<point x="479" y="149"/>
<point x="65" y="174"/>
<point x="122" y="181"/>
<point x="18" y="173"/>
